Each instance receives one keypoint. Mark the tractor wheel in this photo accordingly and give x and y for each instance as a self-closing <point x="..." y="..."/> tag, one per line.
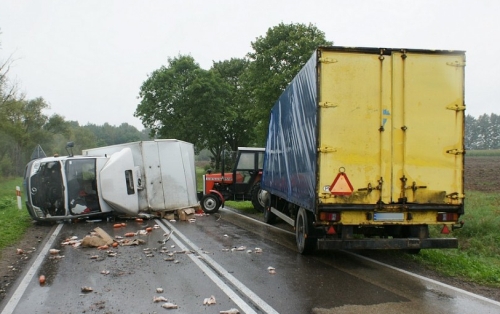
<point x="210" y="203"/>
<point x="306" y="242"/>
<point x="257" y="198"/>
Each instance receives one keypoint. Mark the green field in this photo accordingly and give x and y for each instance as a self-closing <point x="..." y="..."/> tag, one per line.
<point x="483" y="153"/>
<point x="13" y="222"/>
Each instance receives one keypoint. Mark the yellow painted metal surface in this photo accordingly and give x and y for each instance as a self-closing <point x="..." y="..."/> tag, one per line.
<point x="393" y="124"/>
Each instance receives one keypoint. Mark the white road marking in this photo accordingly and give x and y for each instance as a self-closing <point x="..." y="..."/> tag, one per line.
<point x="240" y="286"/>
<point x="477" y="296"/>
<point x="14" y="300"/>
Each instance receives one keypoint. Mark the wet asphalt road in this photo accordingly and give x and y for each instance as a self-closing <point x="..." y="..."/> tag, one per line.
<point x="328" y="282"/>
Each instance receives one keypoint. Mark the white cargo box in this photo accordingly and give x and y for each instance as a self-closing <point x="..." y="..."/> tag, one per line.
<point x="164" y="175"/>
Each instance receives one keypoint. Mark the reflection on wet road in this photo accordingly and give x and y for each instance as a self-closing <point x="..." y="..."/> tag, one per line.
<point x="226" y="256"/>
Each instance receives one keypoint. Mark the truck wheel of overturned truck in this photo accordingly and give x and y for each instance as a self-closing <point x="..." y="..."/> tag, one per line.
<point x="306" y="242"/>
<point x="257" y="199"/>
<point x="210" y="203"/>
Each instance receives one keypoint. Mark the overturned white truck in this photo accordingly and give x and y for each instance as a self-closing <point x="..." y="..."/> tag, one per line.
<point x="126" y="179"/>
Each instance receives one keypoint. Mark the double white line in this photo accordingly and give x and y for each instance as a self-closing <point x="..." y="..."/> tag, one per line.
<point x="244" y="306"/>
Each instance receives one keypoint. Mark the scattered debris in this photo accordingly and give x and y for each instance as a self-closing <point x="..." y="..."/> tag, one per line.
<point x="240" y="248"/>
<point x="191" y="220"/>
<point x="159" y="290"/>
<point x="258" y="250"/>
<point x="54" y="251"/>
<point x="41" y="279"/>
<point x="97" y="239"/>
<point x="149" y="229"/>
<point x="209" y="301"/>
<point x="103" y="247"/>
<point x="105" y="272"/>
<point x="159" y="299"/>
<point x="231" y="311"/>
<point x="94" y="257"/>
<point x="186" y="214"/>
<point x="20" y="251"/>
<point x="225" y="250"/>
<point x="169" y="306"/>
<point x="56" y="257"/>
<point x="87" y="289"/>
<point x="249" y="251"/>
<point x="271" y="270"/>
<point x="130" y="234"/>
<point x="133" y="242"/>
<point x="112" y="254"/>
<point x="139" y="220"/>
<point x="169" y="259"/>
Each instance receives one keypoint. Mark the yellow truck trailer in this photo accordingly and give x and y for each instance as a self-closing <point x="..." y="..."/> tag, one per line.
<point x="365" y="149"/>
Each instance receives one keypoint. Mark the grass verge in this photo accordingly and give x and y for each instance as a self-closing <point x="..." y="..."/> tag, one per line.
<point x="478" y="257"/>
<point x="13" y="221"/>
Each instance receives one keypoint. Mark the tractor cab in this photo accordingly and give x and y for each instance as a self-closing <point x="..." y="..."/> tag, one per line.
<point x="241" y="184"/>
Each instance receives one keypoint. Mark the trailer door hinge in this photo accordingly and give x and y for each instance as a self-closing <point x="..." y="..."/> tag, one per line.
<point x="328" y="60"/>
<point x="326" y="104"/>
<point x="456" y="107"/>
<point x="455" y="151"/>
<point x="327" y="149"/>
<point x="456" y="64"/>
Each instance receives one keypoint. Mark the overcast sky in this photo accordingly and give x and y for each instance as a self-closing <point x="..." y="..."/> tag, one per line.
<point x="88" y="59"/>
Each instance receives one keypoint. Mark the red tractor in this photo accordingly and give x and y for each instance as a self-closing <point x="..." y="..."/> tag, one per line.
<point x="242" y="184"/>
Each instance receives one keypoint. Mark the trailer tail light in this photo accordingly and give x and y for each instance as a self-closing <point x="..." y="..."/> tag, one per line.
<point x="443" y="217"/>
<point x="329" y="216"/>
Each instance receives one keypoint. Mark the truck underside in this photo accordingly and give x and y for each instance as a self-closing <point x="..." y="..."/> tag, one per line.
<point x="377" y="229"/>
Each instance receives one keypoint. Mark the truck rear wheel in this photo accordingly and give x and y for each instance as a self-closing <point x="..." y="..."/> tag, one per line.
<point x="210" y="203"/>
<point x="306" y="242"/>
<point x="257" y="200"/>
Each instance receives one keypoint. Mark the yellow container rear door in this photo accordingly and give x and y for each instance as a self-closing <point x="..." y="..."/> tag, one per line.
<point x="393" y="125"/>
<point x="428" y="123"/>
<point x="355" y="109"/>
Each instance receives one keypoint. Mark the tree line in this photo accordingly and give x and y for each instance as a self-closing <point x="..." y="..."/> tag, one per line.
<point x="483" y="132"/>
<point x="24" y="126"/>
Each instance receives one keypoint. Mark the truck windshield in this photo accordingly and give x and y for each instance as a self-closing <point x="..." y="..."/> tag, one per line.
<point x="82" y="187"/>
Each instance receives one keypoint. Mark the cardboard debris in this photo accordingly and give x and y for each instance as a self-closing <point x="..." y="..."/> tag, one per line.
<point x="169" y="216"/>
<point x="101" y="238"/>
<point x="106" y="237"/>
<point x="185" y="214"/>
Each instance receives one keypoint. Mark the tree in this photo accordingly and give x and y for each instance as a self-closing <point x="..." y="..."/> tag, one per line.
<point x="166" y="104"/>
<point x="185" y="102"/>
<point x="276" y="59"/>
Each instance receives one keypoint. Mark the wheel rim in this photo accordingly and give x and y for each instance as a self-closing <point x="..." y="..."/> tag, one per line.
<point x="210" y="204"/>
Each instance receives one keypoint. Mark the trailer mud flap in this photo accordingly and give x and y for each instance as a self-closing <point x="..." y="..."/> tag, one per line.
<point x="387" y="244"/>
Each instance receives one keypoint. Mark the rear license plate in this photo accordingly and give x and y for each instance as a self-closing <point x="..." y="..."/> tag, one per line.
<point x="389" y="217"/>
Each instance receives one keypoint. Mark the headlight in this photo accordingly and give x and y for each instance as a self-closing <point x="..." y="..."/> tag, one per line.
<point x="35" y="167"/>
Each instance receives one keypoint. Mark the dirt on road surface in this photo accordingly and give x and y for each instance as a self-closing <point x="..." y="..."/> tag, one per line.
<point x="481" y="174"/>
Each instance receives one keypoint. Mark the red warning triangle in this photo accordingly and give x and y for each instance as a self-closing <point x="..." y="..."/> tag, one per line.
<point x="341" y="185"/>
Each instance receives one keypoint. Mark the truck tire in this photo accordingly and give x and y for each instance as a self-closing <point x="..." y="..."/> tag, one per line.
<point x="210" y="203"/>
<point x="306" y="242"/>
<point x="269" y="217"/>
<point x="257" y="201"/>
